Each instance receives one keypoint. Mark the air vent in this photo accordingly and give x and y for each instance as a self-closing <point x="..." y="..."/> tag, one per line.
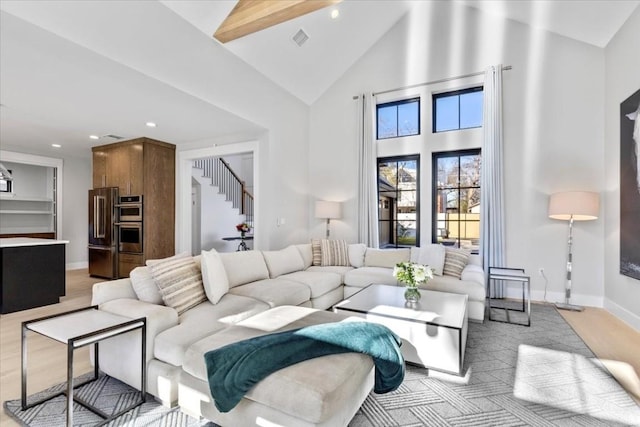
<point x="300" y="37"/>
<point x="113" y="136"/>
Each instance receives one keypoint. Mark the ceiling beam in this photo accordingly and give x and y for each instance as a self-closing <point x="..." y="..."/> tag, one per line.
<point x="249" y="16"/>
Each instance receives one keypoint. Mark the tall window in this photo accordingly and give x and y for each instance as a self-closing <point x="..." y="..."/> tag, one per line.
<point x="460" y="109"/>
<point x="456" y="205"/>
<point x="399" y="201"/>
<point x="400" y="118"/>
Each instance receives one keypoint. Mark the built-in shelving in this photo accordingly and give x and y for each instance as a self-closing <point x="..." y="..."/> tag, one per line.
<point x="19" y="214"/>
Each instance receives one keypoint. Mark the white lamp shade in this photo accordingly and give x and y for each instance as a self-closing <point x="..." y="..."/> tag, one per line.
<point x="581" y="205"/>
<point x="326" y="209"/>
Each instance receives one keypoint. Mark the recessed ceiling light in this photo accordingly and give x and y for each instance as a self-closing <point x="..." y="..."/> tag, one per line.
<point x="335" y="13"/>
<point x="150" y="124"/>
<point x="56" y="145"/>
<point x="94" y="137"/>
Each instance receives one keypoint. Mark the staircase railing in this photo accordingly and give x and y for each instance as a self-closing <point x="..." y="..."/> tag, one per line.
<point x="228" y="183"/>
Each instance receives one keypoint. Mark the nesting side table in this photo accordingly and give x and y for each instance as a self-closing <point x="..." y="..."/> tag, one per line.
<point x="514" y="275"/>
<point x="76" y="329"/>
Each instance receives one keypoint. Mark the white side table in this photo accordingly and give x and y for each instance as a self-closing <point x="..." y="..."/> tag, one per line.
<point x="76" y="329"/>
<point x="513" y="275"/>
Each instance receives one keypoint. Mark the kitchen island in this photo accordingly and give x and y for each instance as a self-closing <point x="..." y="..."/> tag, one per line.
<point x="33" y="272"/>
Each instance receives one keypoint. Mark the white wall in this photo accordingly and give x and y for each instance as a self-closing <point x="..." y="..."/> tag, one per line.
<point x="553" y="133"/>
<point x="622" y="293"/>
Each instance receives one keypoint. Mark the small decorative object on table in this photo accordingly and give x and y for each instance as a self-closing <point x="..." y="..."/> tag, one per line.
<point x="412" y="275"/>
<point x="243" y="228"/>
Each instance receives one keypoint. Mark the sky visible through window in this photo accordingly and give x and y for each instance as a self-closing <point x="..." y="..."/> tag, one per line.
<point x="399" y="119"/>
<point x="460" y="110"/>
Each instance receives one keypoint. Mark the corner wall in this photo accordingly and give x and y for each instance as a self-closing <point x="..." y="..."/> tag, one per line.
<point x="622" y="79"/>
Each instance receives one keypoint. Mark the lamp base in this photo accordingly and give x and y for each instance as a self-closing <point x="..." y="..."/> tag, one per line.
<point x="562" y="306"/>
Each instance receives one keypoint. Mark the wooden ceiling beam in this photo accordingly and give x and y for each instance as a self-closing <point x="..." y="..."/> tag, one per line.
<point x="249" y="16"/>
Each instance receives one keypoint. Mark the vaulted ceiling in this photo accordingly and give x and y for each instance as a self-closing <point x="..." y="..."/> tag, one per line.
<point x="71" y="69"/>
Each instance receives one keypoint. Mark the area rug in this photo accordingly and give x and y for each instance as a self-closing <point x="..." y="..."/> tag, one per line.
<point x="542" y="375"/>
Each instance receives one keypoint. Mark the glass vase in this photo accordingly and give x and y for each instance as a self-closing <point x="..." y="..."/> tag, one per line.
<point x="412" y="294"/>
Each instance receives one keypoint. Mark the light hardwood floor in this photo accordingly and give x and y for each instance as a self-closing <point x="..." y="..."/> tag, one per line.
<point x="613" y="341"/>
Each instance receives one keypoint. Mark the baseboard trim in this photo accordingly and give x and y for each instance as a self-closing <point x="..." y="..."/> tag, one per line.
<point x="623" y="314"/>
<point x="76" y="265"/>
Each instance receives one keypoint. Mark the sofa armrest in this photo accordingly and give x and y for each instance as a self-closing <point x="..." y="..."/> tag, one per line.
<point x="473" y="273"/>
<point x="120" y="355"/>
<point x="159" y="317"/>
<point x="114" y="289"/>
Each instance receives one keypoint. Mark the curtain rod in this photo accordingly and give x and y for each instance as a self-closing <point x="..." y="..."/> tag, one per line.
<point x="505" y="68"/>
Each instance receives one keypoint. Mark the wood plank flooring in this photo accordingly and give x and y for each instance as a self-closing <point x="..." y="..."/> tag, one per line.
<point x="613" y="341"/>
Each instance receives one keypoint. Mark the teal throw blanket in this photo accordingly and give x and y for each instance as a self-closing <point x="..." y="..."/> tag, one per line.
<point x="234" y="369"/>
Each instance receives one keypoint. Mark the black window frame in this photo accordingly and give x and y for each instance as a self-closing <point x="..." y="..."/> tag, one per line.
<point x="396" y="104"/>
<point x="409" y="157"/>
<point x="457" y="93"/>
<point x="434" y="189"/>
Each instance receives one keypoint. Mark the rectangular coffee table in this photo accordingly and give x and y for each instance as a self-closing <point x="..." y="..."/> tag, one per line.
<point x="434" y="330"/>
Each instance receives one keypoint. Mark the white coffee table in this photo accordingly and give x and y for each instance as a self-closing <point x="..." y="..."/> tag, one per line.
<point x="434" y="331"/>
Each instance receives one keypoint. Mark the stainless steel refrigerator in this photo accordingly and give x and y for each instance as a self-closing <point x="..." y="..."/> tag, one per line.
<point x="103" y="236"/>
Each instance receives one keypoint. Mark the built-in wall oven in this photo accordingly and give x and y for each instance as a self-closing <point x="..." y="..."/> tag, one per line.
<point x="130" y="208"/>
<point x="130" y="227"/>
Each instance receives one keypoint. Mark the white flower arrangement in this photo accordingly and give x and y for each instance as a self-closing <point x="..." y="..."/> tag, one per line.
<point x="412" y="274"/>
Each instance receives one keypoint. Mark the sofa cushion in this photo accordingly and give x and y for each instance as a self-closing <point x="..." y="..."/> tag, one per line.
<point x="180" y="282"/>
<point x="275" y="292"/>
<point x="356" y="254"/>
<point x="202" y="321"/>
<point x="432" y="255"/>
<point x="318" y="282"/>
<point x="144" y="286"/>
<point x="446" y="283"/>
<point x="315" y="389"/>
<point x="284" y="261"/>
<point x="214" y="278"/>
<point x="334" y="252"/>
<point x="365" y="276"/>
<point x="306" y="254"/>
<point x="244" y="267"/>
<point x="331" y="269"/>
<point x="385" y="257"/>
<point x="455" y="261"/>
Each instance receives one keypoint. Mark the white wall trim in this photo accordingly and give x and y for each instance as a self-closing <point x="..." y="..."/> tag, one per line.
<point x="76" y="265"/>
<point x="622" y="313"/>
<point x="183" y="189"/>
<point x="32" y="159"/>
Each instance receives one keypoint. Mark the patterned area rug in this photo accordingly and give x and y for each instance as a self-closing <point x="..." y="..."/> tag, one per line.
<point x="543" y="375"/>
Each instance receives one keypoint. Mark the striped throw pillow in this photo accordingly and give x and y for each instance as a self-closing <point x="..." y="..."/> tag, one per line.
<point x="316" y="252"/>
<point x="334" y="252"/>
<point x="455" y="260"/>
<point x="180" y="283"/>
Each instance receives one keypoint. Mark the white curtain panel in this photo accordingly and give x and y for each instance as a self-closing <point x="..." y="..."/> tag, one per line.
<point x="492" y="234"/>
<point x="367" y="174"/>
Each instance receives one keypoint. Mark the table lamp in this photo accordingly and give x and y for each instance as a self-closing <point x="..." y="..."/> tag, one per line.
<point x="573" y="206"/>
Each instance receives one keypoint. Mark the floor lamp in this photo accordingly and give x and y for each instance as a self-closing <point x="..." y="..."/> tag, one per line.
<point x="328" y="210"/>
<point x="573" y="206"/>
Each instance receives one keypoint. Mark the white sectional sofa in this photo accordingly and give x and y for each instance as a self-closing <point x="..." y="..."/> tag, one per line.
<point x="252" y="293"/>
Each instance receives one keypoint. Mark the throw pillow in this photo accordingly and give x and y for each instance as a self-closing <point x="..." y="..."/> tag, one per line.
<point x="180" y="283"/>
<point x="432" y="255"/>
<point x="214" y="277"/>
<point x="151" y="262"/>
<point x="316" y="252"/>
<point x="356" y="254"/>
<point x="334" y="252"/>
<point x="455" y="261"/>
<point x="144" y="286"/>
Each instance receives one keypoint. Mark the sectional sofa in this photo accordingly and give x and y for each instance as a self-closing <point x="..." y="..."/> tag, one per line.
<point x="196" y="304"/>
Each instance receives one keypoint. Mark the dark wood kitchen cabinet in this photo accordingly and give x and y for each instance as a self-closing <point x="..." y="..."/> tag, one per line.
<point x="146" y="167"/>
